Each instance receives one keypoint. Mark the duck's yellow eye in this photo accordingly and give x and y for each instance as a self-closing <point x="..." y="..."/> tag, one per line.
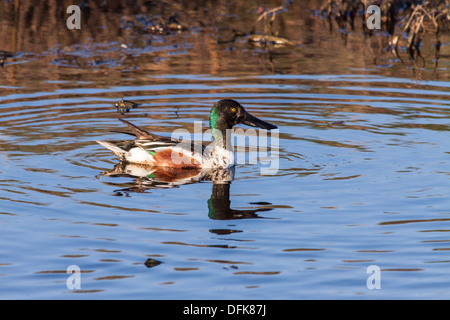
<point x="233" y="109"/>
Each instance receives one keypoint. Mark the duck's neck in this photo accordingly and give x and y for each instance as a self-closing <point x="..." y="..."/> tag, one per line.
<point x="219" y="131"/>
<point x="222" y="138"/>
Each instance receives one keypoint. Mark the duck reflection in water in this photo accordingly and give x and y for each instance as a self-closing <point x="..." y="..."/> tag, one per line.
<point x="219" y="204"/>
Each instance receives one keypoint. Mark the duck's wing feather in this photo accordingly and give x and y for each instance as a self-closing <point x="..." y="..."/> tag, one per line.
<point x="142" y="134"/>
<point x="158" y="149"/>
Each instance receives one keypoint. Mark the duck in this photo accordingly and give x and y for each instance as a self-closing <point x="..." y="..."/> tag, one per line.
<point x="149" y="149"/>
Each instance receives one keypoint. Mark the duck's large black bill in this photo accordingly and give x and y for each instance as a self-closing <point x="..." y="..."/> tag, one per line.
<point x="255" y="122"/>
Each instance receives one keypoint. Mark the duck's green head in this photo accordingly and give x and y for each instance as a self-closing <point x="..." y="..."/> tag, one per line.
<point x="227" y="113"/>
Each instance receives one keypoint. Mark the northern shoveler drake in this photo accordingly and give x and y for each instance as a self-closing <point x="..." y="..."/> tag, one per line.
<point x="153" y="150"/>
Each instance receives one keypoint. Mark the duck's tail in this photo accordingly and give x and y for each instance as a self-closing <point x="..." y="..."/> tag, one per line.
<point x="119" y="152"/>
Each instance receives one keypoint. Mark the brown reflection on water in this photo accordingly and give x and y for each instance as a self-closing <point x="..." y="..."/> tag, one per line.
<point x="414" y="221"/>
<point x="115" y="40"/>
